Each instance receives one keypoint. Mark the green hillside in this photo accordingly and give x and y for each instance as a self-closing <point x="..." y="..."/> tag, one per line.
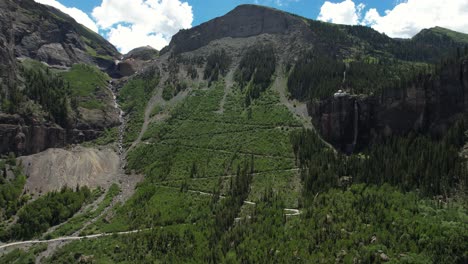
<point x="221" y="155"/>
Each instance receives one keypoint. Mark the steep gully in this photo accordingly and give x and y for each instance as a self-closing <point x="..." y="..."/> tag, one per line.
<point x="127" y="185"/>
<point x="121" y="120"/>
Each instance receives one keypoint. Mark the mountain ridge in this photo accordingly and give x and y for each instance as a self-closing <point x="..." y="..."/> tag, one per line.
<point x="58" y="40"/>
<point x="243" y="21"/>
<point x="43" y="32"/>
<point x="344" y="41"/>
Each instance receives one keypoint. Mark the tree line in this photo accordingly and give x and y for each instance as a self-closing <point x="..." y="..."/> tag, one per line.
<point x="50" y="91"/>
<point x="49" y="210"/>
<point x="11" y="189"/>
<point x="217" y="64"/>
<point x="413" y="162"/>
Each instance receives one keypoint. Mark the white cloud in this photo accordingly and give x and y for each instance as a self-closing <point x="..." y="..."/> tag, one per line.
<point x="345" y="12"/>
<point x="80" y="16"/>
<point x="127" y="38"/>
<point x="135" y="23"/>
<point x="408" y="18"/>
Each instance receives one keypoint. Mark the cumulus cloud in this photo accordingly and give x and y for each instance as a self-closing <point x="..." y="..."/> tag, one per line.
<point x="408" y="18"/>
<point x="135" y="23"/>
<point x="346" y="12"/>
<point x="127" y="38"/>
<point x="80" y="16"/>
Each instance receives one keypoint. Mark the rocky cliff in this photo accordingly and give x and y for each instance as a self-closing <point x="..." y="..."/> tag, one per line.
<point x="431" y="105"/>
<point x="23" y="135"/>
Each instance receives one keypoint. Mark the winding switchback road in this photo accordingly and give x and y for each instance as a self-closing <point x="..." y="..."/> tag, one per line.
<point x="68" y="238"/>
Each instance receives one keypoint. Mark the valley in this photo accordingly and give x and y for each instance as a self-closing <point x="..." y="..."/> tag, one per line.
<point x="257" y="137"/>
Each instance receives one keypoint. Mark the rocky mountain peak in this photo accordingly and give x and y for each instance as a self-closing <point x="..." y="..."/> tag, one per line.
<point x="46" y="34"/>
<point x="244" y="21"/>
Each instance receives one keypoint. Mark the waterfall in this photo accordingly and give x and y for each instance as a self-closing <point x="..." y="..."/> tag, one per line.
<point x="121" y="120"/>
<point x="356" y="124"/>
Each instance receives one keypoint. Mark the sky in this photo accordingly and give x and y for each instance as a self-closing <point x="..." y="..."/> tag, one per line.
<point x="130" y="24"/>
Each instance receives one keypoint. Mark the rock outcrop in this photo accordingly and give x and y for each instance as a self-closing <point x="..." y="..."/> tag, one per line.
<point x="349" y="122"/>
<point x="25" y="136"/>
<point x="136" y="60"/>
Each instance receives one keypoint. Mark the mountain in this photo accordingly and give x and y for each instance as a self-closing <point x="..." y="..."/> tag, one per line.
<point x="44" y="102"/>
<point x="242" y="22"/>
<point x="442" y="33"/>
<point x="256" y="137"/>
<point x="142" y="53"/>
<point x="430" y="98"/>
<point x="46" y="34"/>
<point x="382" y="78"/>
<point x="42" y="33"/>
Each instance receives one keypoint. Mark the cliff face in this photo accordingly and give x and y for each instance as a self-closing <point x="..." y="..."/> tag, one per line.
<point x="349" y="122"/>
<point x="25" y="136"/>
<point x="345" y="121"/>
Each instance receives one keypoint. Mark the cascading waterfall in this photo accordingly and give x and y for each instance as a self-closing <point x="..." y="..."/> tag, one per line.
<point x="121" y="120"/>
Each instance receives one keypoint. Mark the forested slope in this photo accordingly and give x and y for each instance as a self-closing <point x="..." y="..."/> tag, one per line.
<point x="232" y="176"/>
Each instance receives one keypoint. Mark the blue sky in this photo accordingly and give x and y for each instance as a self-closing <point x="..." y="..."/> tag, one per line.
<point x="132" y="23"/>
<point x="205" y="10"/>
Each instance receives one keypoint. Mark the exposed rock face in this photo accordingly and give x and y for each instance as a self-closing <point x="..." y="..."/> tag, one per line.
<point x="128" y="67"/>
<point x="25" y="136"/>
<point x="136" y="60"/>
<point x="97" y="119"/>
<point x="349" y="122"/>
<point x="46" y="34"/>
<point x="242" y="22"/>
<point x="344" y="121"/>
